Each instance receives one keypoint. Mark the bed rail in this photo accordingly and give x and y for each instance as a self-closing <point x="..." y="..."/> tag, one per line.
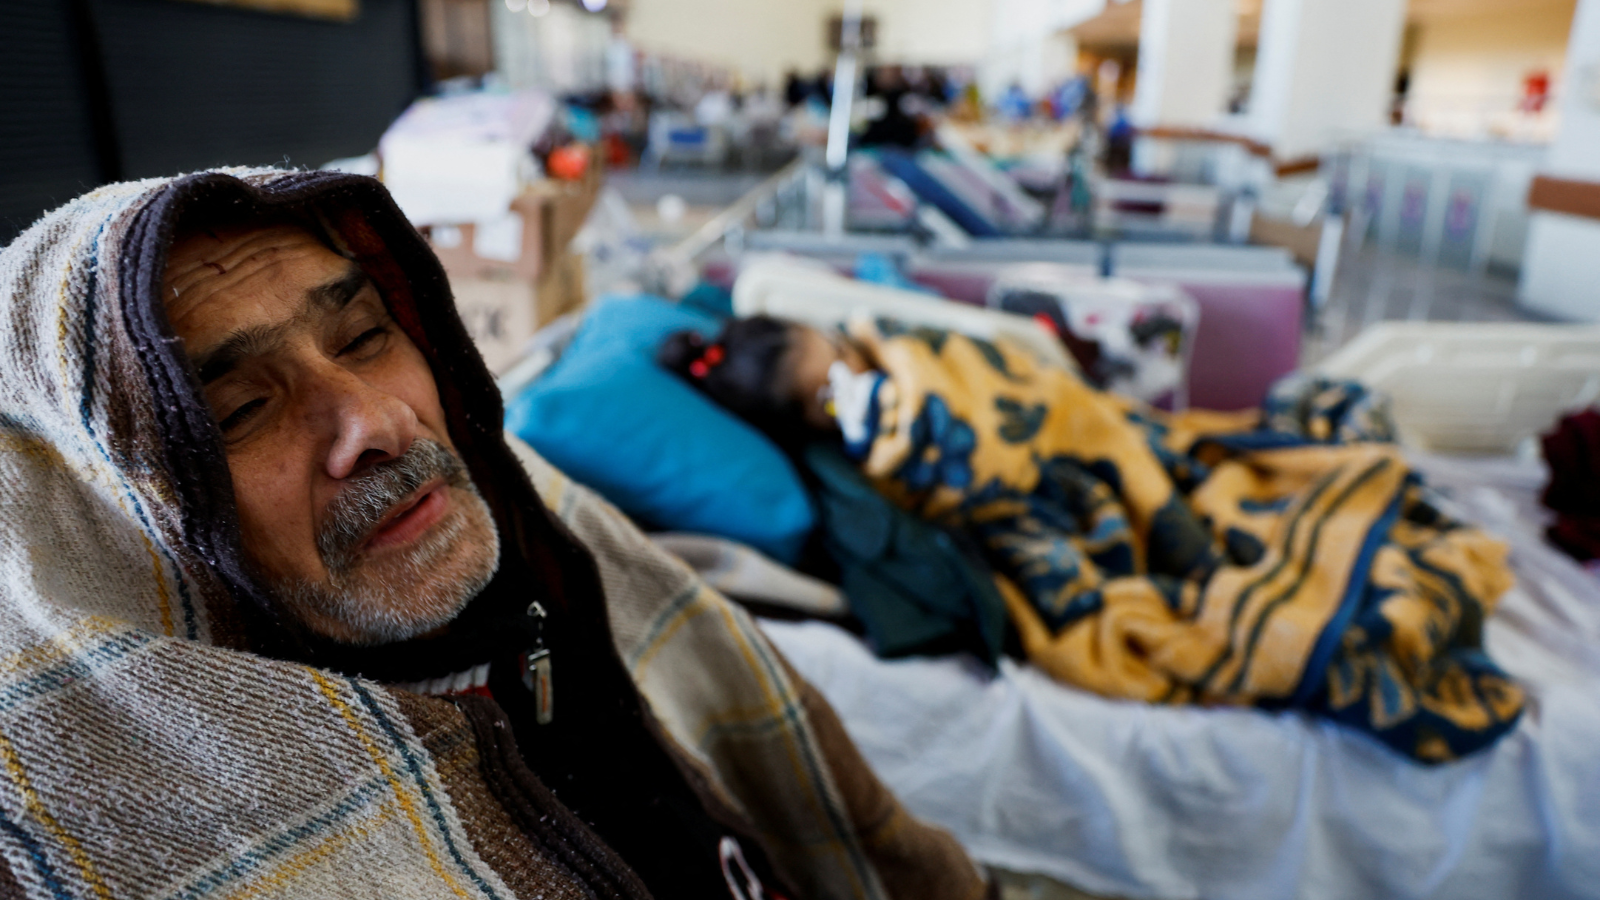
<point x="1477" y="388"/>
<point x="786" y="195"/>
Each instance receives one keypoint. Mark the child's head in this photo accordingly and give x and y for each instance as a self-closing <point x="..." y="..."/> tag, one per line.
<point x="771" y="373"/>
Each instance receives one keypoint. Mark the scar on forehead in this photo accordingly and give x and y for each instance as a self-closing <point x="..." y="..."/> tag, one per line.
<point x="218" y="267"/>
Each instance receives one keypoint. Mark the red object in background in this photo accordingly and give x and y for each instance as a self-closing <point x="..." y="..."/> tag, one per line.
<point x="569" y="163"/>
<point x="1573" y="454"/>
<point x="1535" y="92"/>
<point x="712" y="358"/>
<point x="617" y="152"/>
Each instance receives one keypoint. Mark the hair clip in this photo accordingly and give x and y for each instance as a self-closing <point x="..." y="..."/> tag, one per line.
<point x="701" y="367"/>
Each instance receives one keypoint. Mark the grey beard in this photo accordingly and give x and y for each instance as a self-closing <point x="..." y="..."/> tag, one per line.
<point x="421" y="589"/>
<point x="368" y="497"/>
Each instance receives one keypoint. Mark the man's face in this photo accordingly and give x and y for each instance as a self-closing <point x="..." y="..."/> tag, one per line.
<point x="352" y="501"/>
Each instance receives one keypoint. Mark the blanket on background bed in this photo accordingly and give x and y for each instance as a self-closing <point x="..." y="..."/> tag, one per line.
<point x="1199" y="558"/>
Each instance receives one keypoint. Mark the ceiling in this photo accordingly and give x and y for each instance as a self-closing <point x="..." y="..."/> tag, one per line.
<point x="1118" y="26"/>
<point x="1424" y="10"/>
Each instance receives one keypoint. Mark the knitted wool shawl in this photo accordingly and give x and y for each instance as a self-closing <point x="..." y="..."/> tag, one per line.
<point x="150" y="750"/>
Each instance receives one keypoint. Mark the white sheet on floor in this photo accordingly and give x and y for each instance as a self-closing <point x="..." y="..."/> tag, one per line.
<point x="1144" y="801"/>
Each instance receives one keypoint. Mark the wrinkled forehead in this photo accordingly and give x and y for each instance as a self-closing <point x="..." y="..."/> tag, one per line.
<point x="225" y="248"/>
<point x="255" y="264"/>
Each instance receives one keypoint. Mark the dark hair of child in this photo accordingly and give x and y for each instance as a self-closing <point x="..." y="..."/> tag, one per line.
<point x="743" y="370"/>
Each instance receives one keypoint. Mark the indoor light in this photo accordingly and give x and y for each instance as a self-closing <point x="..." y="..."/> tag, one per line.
<point x="538" y="7"/>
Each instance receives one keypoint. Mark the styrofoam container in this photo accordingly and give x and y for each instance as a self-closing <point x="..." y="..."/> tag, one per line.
<point x="1481" y="388"/>
<point x="790" y="289"/>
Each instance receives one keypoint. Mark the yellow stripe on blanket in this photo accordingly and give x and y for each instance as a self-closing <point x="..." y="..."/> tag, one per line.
<point x="11" y="761"/>
<point x="402" y="794"/>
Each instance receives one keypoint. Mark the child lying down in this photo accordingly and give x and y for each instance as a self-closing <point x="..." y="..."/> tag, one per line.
<point x="1281" y="558"/>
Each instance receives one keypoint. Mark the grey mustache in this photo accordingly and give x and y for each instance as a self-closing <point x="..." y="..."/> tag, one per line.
<point x="367" y="498"/>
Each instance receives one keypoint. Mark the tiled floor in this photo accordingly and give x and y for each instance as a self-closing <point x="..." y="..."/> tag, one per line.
<point x="1374" y="286"/>
<point x="703" y="196"/>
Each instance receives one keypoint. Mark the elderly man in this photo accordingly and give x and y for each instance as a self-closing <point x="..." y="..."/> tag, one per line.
<point x="258" y="506"/>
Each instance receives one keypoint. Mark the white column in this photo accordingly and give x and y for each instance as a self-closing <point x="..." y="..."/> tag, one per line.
<point x="1561" y="270"/>
<point x="1186" y="51"/>
<point x="1325" y="70"/>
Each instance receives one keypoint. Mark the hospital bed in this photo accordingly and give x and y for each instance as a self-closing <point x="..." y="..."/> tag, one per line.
<point x="887" y="184"/>
<point x="1139" y="801"/>
<point x="677" y="137"/>
<point x="950" y="270"/>
<point x="817" y="296"/>
<point x="1144" y="210"/>
<point x="1252" y="299"/>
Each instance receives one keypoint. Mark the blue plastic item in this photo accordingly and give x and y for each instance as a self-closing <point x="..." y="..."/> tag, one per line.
<point x="611" y="418"/>
<point x="689" y="137"/>
<point x="881" y="268"/>
<point x="713" y="300"/>
<point x="583" y="123"/>
<point x="929" y="189"/>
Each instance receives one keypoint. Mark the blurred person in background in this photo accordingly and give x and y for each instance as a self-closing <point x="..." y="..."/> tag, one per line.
<point x="898" y="123"/>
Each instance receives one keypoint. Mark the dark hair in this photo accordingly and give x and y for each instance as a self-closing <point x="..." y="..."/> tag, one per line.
<point x="742" y="369"/>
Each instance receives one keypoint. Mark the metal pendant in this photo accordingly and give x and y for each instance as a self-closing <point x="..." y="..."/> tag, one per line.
<point x="536" y="668"/>
<point x="536" y="678"/>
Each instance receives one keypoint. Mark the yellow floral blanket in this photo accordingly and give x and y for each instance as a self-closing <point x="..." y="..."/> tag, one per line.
<point x="1198" y="558"/>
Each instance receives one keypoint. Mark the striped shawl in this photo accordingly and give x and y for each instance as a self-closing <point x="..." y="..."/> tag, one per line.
<point x="153" y="746"/>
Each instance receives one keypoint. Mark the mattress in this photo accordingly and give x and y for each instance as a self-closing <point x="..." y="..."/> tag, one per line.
<point x="1143" y="801"/>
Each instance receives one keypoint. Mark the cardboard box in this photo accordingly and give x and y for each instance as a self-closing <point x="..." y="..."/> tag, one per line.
<point x="502" y="313"/>
<point x="513" y="274"/>
<point x="566" y="207"/>
<point x="563" y="289"/>
<point x="499" y="315"/>
<point x="540" y="225"/>
<point x="509" y="247"/>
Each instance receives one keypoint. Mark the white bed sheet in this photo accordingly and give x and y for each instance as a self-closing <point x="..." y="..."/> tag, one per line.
<point x="1142" y="801"/>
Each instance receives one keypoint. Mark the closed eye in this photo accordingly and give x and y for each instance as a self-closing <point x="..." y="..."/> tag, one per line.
<point x="365" y="339"/>
<point x="241" y="415"/>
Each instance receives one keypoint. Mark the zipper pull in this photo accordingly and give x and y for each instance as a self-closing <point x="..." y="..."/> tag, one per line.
<point x="536" y="668"/>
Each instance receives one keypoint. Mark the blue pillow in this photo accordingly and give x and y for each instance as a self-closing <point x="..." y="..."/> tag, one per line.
<point x="713" y="300"/>
<point x="610" y="417"/>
